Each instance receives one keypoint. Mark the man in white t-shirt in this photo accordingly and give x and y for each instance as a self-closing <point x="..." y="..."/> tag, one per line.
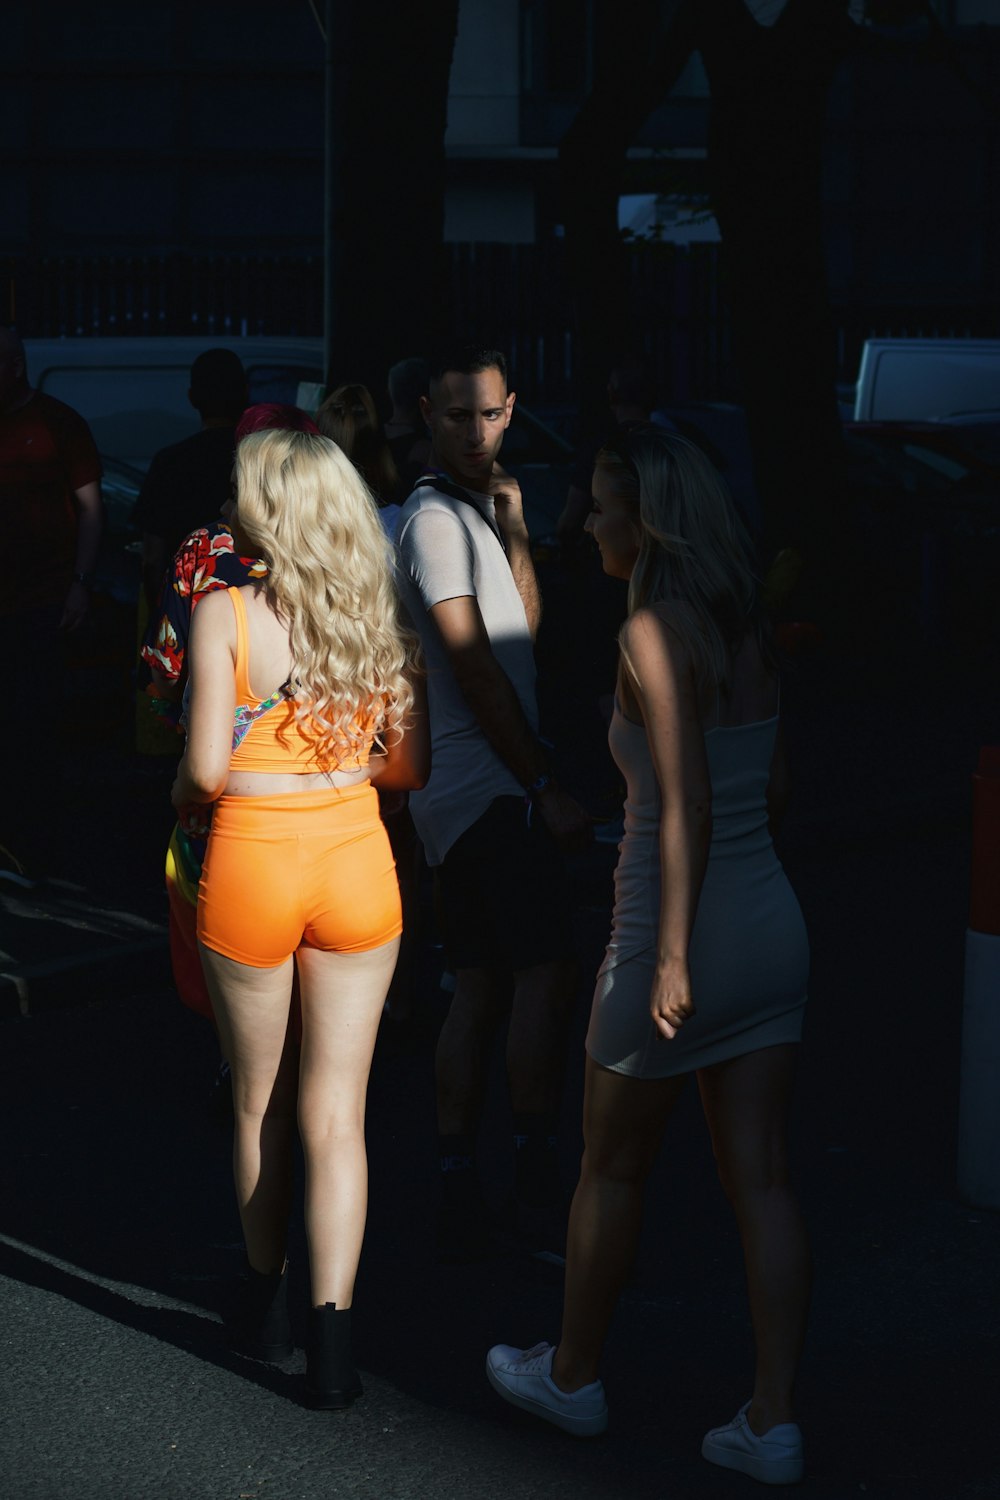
<point x="491" y="818"/>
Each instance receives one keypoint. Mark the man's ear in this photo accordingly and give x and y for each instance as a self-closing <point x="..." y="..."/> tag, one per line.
<point x="426" y="409"/>
<point x="509" y="408"/>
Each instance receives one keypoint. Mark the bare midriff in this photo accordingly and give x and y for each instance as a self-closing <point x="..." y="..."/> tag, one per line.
<point x="280" y="783"/>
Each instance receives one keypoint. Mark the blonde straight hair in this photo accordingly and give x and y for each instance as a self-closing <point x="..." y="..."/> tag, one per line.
<point x="349" y="418"/>
<point x="309" y="515"/>
<point x="694" y="550"/>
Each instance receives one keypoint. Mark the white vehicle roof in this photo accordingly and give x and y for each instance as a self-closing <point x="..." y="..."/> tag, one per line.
<point x="912" y="380"/>
<point x="133" y="391"/>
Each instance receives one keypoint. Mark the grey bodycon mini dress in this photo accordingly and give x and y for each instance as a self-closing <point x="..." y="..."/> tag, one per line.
<point x="749" y="953"/>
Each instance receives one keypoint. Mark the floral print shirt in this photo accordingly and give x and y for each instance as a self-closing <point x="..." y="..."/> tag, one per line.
<point x="205" y="560"/>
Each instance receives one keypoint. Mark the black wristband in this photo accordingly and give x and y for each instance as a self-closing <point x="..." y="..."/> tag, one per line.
<point x="538" y="786"/>
<point x="87" y="579"/>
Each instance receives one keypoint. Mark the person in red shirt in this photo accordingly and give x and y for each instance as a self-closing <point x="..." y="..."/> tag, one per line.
<point x="50" y="521"/>
<point x="50" y="496"/>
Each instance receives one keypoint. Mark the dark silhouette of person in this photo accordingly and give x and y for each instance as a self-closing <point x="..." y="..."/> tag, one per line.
<point x="405" y="430"/>
<point x="51" y="518"/>
<point x="188" y="483"/>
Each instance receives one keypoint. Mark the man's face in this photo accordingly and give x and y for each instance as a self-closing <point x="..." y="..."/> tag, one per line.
<point x="468" y="416"/>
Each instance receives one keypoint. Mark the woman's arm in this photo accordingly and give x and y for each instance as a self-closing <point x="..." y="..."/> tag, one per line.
<point x="661" y="675"/>
<point x="406" y="764"/>
<point x="204" y="766"/>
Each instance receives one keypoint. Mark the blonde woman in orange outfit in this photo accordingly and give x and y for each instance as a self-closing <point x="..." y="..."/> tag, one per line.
<point x="304" y="690"/>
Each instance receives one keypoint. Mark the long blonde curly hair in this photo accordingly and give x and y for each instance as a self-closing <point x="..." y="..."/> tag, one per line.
<point x="307" y="512"/>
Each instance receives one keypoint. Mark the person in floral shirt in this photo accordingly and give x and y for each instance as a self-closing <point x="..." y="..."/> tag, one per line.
<point x="207" y="559"/>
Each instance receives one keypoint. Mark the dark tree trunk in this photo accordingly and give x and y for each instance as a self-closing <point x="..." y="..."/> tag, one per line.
<point x="639" y="51"/>
<point x="390" y="64"/>
<point x="769" y="90"/>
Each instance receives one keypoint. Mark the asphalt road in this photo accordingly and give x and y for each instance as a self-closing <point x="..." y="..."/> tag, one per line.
<point x="118" y="1235"/>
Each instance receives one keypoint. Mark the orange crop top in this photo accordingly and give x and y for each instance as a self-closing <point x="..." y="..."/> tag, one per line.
<point x="267" y="735"/>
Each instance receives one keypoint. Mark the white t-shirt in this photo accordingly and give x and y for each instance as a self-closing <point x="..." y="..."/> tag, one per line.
<point x="450" y="548"/>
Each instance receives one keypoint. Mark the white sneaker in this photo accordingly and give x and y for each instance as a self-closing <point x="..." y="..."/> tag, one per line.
<point x="524" y="1378"/>
<point x="775" y="1458"/>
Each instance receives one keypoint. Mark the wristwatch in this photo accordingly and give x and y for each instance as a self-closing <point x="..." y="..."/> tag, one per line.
<point x="538" y="786"/>
<point x="87" y="579"/>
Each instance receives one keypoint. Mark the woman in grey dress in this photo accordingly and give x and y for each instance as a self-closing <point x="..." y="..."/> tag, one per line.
<point x="707" y="965"/>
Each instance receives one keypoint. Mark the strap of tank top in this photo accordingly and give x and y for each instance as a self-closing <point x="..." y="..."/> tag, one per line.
<point x="246" y="717"/>
<point x="247" y="712"/>
<point x="243" y="693"/>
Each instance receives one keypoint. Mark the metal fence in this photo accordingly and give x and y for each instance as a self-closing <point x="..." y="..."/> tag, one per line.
<point x="80" y="296"/>
<point x="516" y="292"/>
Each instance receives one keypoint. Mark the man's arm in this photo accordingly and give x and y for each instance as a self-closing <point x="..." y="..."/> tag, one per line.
<point x="509" y="507"/>
<point x="490" y="695"/>
<point x="90" y="520"/>
<point x="487" y="689"/>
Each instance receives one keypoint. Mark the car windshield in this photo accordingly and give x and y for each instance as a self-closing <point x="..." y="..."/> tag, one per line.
<point x="279" y="383"/>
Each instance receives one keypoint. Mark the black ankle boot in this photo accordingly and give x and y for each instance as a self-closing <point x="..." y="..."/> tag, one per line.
<point x="331" y="1379"/>
<point x="259" y="1325"/>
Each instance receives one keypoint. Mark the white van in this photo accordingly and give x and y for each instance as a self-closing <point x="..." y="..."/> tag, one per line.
<point x="133" y="391"/>
<point x="917" y="380"/>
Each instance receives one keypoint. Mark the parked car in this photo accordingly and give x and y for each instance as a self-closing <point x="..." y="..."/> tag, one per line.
<point x="912" y="380"/>
<point x="926" y="511"/>
<point x="946" y="472"/>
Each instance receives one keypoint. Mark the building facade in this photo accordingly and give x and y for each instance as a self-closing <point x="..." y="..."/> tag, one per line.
<point x="163" y="166"/>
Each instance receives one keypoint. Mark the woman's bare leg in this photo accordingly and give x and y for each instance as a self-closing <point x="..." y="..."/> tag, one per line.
<point x="252" y="1014"/>
<point x="342" y="999"/>
<point x="746" y="1104"/>
<point x="623" y="1121"/>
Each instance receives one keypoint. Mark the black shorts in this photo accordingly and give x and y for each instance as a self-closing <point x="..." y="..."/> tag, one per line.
<point x="503" y="893"/>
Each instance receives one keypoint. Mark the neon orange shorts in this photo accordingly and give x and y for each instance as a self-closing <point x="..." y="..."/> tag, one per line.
<point x="311" y="868"/>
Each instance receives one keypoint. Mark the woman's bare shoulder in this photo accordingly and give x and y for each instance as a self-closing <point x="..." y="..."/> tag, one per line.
<point x="655" y="656"/>
<point x="214" y="617"/>
<point x="658" y="628"/>
<point x="214" y="605"/>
